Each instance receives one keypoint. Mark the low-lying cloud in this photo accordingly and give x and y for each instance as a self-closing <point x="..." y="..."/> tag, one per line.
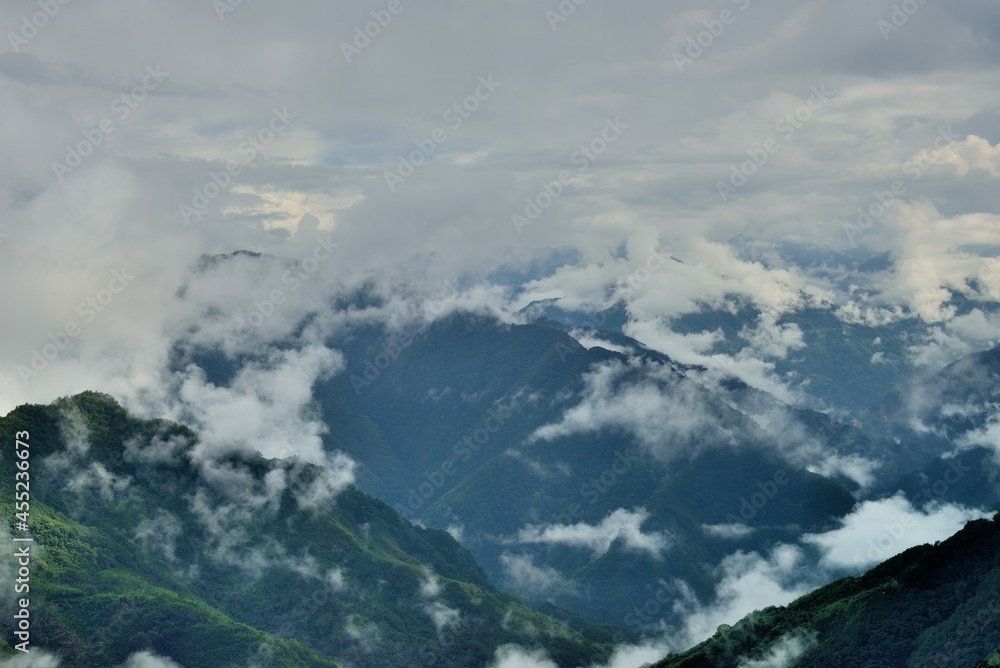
<point x="878" y="530"/>
<point x="620" y="525"/>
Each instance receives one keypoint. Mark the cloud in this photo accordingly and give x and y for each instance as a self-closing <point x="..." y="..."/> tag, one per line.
<point x="149" y="660"/>
<point x="878" y="530"/>
<point x="159" y="535"/>
<point x="35" y="659"/>
<point x="963" y="156"/>
<point x="771" y="339"/>
<point x="698" y="350"/>
<point x="666" y="412"/>
<point x="96" y="479"/>
<point x="987" y="436"/>
<point x="8" y="597"/>
<point x="728" y="531"/>
<point x="643" y="654"/>
<point x="367" y="634"/>
<point x="515" y="656"/>
<point x="962" y="336"/>
<point x="783" y="653"/>
<point x="748" y="582"/>
<point x="265" y="409"/>
<point x="430" y="587"/>
<point x="784" y="430"/>
<point x="162" y="448"/>
<point x="620" y="525"/>
<point x="656" y="189"/>
<point x="588" y="341"/>
<point x="440" y="613"/>
<point x="523" y="576"/>
<point x="854" y="467"/>
<point x="443" y="616"/>
<point x="81" y="475"/>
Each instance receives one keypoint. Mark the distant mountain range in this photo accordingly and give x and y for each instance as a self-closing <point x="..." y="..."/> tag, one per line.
<point x="553" y="484"/>
<point x="518" y="440"/>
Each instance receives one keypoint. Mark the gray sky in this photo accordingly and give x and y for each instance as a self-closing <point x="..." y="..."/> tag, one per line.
<point x="670" y="98"/>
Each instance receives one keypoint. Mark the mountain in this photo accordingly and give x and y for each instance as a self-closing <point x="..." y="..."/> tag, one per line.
<point x="934" y="605"/>
<point x="939" y="425"/>
<point x="146" y="539"/>
<point x="457" y="426"/>
<point x="845" y="366"/>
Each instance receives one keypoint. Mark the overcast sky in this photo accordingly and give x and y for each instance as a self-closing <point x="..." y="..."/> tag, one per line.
<point x="113" y="114"/>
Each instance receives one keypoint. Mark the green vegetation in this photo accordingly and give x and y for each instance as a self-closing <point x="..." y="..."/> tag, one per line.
<point x="143" y="544"/>
<point x="932" y="606"/>
<point x="445" y="432"/>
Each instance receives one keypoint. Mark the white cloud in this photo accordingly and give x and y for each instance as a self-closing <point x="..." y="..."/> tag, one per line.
<point x="589" y="341"/>
<point x="149" y="660"/>
<point x="962" y="336"/>
<point x="783" y="653"/>
<point x="855" y="467"/>
<point x="443" y="616"/>
<point x="515" y="656"/>
<point x="987" y="436"/>
<point x="266" y="408"/>
<point x="430" y="587"/>
<point x="159" y="535"/>
<point x="641" y="655"/>
<point x="367" y="634"/>
<point x="440" y="613"/>
<point x="878" y="530"/>
<point x="772" y="340"/>
<point x="35" y="659"/>
<point x="728" y="531"/>
<point x="662" y="409"/>
<point x="963" y="156"/>
<point x="749" y="582"/>
<point x="524" y="577"/>
<point x="656" y="189"/>
<point x="623" y="525"/>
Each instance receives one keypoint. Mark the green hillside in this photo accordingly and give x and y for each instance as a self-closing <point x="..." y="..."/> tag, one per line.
<point x="144" y="543"/>
<point x="932" y="606"/>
